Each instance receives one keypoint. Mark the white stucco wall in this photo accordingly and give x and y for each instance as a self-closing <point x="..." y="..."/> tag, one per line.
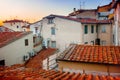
<point x="67" y="32"/>
<point x="14" y="25"/>
<point x="36" y="24"/>
<point x="13" y="53"/>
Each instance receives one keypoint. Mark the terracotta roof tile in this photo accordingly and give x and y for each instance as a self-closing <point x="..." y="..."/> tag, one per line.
<point x="5" y="29"/>
<point x="36" y="61"/>
<point x="40" y="74"/>
<point x="15" y="20"/>
<point x="8" y="37"/>
<point x="92" y="54"/>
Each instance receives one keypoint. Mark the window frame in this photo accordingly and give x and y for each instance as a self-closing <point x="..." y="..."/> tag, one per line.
<point x="50" y="21"/>
<point x="26" y="42"/>
<point x="92" y="28"/>
<point x="85" y="29"/>
<point x="85" y="42"/>
<point x="103" y="42"/>
<point x="53" y="32"/>
<point x="103" y="29"/>
<point x="53" y="44"/>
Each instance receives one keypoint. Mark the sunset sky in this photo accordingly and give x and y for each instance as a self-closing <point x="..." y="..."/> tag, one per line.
<point x="34" y="10"/>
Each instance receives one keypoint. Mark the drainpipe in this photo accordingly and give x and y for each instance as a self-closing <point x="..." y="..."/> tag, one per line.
<point x="116" y="29"/>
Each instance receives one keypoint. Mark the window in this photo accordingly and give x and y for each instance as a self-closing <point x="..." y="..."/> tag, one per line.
<point x="53" y="31"/>
<point x="92" y="42"/>
<point x="86" y="29"/>
<point x="53" y="44"/>
<point x="34" y="38"/>
<point x="17" y="26"/>
<point x="2" y="62"/>
<point x="36" y="29"/>
<point x="50" y="21"/>
<point x="0" y="29"/>
<point x="103" y="42"/>
<point x="24" y="30"/>
<point x="86" y="43"/>
<point x="103" y="29"/>
<point x="26" y="42"/>
<point x="92" y="29"/>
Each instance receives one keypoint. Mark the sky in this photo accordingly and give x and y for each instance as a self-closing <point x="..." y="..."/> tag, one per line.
<point x="34" y="10"/>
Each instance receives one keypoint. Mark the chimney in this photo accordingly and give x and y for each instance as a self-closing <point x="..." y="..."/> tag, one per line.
<point x="74" y="9"/>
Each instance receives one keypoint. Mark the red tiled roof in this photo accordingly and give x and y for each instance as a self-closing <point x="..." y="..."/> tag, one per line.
<point x="104" y="8"/>
<point x="92" y="54"/>
<point x="83" y="21"/>
<point x="40" y="74"/>
<point x="8" y="37"/>
<point x="93" y="21"/>
<point x="36" y="62"/>
<point x="5" y="29"/>
<point x="15" y="20"/>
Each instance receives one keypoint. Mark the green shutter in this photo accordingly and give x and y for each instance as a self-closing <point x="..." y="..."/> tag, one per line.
<point x="86" y="29"/>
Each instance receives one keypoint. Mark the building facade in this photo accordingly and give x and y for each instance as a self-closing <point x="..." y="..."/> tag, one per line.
<point x="16" y="25"/>
<point x="17" y="44"/>
<point x="60" y="31"/>
<point x="116" y="27"/>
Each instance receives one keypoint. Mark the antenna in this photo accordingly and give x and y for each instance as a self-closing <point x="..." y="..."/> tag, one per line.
<point x="84" y="4"/>
<point x="80" y="5"/>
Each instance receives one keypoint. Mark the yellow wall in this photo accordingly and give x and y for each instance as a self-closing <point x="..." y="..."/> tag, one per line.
<point x="107" y="36"/>
<point x="88" y="66"/>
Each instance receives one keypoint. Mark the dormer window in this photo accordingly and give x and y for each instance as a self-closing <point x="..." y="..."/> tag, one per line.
<point x="50" y="21"/>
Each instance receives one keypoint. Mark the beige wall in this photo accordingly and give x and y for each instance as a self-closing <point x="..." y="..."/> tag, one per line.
<point x="68" y="31"/>
<point x="92" y="15"/>
<point x="89" y="36"/>
<point x="107" y="36"/>
<point x="88" y="67"/>
<point x="13" y="53"/>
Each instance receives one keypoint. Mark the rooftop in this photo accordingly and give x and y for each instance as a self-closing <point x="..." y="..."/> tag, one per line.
<point x="21" y="73"/>
<point x="92" y="54"/>
<point x="36" y="62"/>
<point x="104" y="8"/>
<point x="14" y="20"/>
<point x="5" y="29"/>
<point x="81" y="11"/>
<point x="83" y="21"/>
<point x="8" y="37"/>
